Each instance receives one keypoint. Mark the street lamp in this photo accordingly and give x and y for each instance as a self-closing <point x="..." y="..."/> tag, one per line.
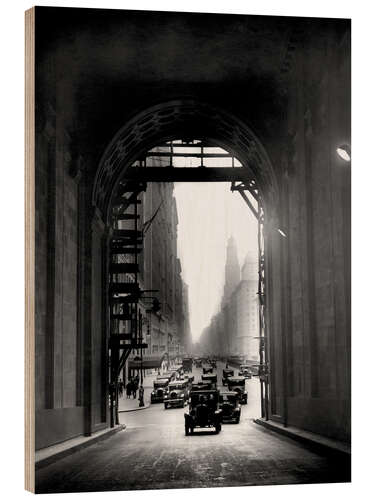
<point x="344" y="152"/>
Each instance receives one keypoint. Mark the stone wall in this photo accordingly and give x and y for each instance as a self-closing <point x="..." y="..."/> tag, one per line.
<point x="310" y="304"/>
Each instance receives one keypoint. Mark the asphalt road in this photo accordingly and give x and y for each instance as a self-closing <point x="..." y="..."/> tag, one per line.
<point x="154" y="453"/>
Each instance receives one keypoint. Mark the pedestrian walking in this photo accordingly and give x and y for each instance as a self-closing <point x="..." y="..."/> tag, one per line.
<point x="134" y="388"/>
<point x="141" y="396"/>
<point x="128" y="389"/>
<point x="120" y="388"/>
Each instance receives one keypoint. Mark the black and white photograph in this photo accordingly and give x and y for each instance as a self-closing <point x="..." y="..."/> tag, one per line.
<point x="189" y="307"/>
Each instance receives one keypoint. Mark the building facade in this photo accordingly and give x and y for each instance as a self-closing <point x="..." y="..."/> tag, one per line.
<point x="233" y="330"/>
<point x="166" y="331"/>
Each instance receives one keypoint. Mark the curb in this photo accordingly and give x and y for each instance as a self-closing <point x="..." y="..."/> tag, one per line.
<point x="318" y="443"/>
<point x="136" y="409"/>
<point x="43" y="462"/>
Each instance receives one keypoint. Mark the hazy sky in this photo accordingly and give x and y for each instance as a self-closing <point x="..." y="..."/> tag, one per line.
<point x="209" y="213"/>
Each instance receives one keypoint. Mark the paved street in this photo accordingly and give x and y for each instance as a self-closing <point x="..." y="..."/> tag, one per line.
<point x="153" y="453"/>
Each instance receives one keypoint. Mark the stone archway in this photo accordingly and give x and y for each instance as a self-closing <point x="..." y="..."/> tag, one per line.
<point x="175" y="119"/>
<point x="190" y="119"/>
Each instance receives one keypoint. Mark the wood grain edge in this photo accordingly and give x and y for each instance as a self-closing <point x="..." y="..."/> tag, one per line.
<point x="30" y="250"/>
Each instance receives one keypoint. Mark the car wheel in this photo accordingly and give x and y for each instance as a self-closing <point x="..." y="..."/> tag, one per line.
<point x="186" y="430"/>
<point x="218" y="428"/>
<point x="237" y="420"/>
<point x="165" y="406"/>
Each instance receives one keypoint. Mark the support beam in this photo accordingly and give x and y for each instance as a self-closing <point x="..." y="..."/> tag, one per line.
<point x="190" y="154"/>
<point x="197" y="174"/>
<point x="248" y="203"/>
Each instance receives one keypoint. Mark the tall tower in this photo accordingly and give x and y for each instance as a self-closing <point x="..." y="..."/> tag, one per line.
<point x="247" y="309"/>
<point x="232" y="269"/>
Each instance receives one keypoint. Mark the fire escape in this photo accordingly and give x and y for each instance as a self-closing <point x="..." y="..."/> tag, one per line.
<point x="125" y="318"/>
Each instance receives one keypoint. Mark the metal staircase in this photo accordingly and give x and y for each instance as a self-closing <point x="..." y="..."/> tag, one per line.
<point x="125" y="318"/>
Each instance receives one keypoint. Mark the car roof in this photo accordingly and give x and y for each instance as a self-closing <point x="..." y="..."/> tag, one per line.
<point x="236" y="379"/>
<point x="207" y="391"/>
<point x="229" y="393"/>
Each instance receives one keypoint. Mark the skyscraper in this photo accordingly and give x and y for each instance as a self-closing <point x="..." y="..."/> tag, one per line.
<point x="232" y="270"/>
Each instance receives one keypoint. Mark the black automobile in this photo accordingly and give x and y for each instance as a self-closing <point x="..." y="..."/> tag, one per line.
<point x="179" y="370"/>
<point x="213" y="363"/>
<point x="245" y="371"/>
<point x="237" y="384"/>
<point x="207" y="368"/>
<point x="200" y="386"/>
<point x="227" y="372"/>
<point x="187" y="364"/>
<point x="171" y="375"/>
<point x="160" y="389"/>
<point x="198" y="363"/>
<point x="177" y="394"/>
<point x="255" y="370"/>
<point x="204" y="411"/>
<point x="189" y="379"/>
<point x="229" y="403"/>
<point x="210" y="378"/>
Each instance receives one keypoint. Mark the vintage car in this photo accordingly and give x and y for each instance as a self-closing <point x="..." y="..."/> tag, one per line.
<point x="204" y="411"/>
<point x="245" y="371"/>
<point x="210" y="379"/>
<point x="177" y="394"/>
<point x="187" y="364"/>
<point x="189" y="379"/>
<point x="200" y="386"/>
<point x="160" y="389"/>
<point x="229" y="403"/>
<point x="170" y="375"/>
<point x="237" y="384"/>
<point x="207" y="368"/>
<point x="198" y="363"/>
<point x="255" y="370"/>
<point x="179" y="370"/>
<point x="213" y="363"/>
<point x="227" y="372"/>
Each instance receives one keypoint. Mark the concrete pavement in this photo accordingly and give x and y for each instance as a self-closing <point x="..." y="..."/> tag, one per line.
<point x="154" y="453"/>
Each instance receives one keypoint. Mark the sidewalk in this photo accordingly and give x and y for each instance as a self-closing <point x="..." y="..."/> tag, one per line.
<point x="47" y="456"/>
<point x="131" y="404"/>
<point x="314" y="441"/>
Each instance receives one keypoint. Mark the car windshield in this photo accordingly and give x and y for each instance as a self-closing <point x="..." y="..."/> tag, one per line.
<point x="176" y="386"/>
<point x="228" y="398"/>
<point x="204" y="398"/>
<point x="236" y="382"/>
<point x="160" y="383"/>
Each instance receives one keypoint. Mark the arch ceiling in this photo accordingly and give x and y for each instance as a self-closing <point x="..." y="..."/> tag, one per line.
<point x="178" y="119"/>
